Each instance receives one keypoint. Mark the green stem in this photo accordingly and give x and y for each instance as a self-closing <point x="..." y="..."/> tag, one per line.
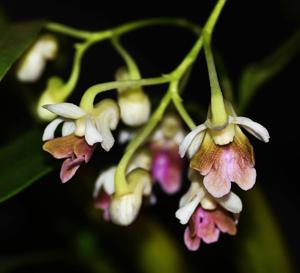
<point x="73" y="78"/>
<point x="121" y="185"/>
<point x="59" y="28"/>
<point x="219" y="116"/>
<point x="87" y="101"/>
<point x="122" y="29"/>
<point x="130" y="63"/>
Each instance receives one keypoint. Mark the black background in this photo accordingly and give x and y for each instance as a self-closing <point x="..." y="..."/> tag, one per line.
<point x="247" y="31"/>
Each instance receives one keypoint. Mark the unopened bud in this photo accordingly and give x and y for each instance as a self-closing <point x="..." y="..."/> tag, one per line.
<point x="134" y="104"/>
<point x="51" y="95"/>
<point x="33" y="63"/>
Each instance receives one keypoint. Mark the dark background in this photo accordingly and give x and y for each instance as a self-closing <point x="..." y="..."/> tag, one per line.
<point x="247" y="31"/>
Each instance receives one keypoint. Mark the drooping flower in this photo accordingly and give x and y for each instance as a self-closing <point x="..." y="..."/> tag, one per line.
<point x="207" y="216"/>
<point x="167" y="164"/>
<point x="33" y="63"/>
<point x="105" y="183"/>
<point x="95" y="126"/>
<point x="206" y="225"/>
<point x="224" y="155"/>
<point x="73" y="149"/>
<point x="197" y="194"/>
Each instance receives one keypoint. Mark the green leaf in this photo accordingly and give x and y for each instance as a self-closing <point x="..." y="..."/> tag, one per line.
<point x="257" y="74"/>
<point x="14" y="40"/>
<point x="158" y="251"/>
<point x="21" y="164"/>
<point x="261" y="247"/>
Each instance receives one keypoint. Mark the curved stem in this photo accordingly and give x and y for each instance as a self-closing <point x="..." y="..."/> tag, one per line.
<point x="73" y="78"/>
<point x="87" y="100"/>
<point x="131" y="65"/>
<point x="121" y="185"/>
<point x="122" y="29"/>
<point x="76" y="33"/>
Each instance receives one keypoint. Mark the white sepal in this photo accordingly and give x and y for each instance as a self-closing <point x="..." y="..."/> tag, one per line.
<point x="50" y="129"/>
<point x="68" y="128"/>
<point x="92" y="135"/>
<point x="253" y="128"/>
<point x="106" y="179"/>
<point x="231" y="202"/>
<point x="185" y="144"/>
<point x="66" y="110"/>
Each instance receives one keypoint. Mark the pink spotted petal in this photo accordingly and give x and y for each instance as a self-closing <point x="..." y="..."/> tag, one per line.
<point x="69" y="168"/>
<point x="191" y="242"/>
<point x="205" y="226"/>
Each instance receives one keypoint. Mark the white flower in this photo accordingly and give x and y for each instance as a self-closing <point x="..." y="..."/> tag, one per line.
<point x="34" y="62"/>
<point x="95" y="126"/>
<point x="125" y="208"/>
<point x="223" y="135"/>
<point x="197" y="194"/>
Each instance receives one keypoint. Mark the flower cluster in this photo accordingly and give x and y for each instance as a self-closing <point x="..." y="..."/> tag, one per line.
<point x="217" y="151"/>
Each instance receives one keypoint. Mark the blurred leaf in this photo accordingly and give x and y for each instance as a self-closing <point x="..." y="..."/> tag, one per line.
<point x="3" y="17"/>
<point x="21" y="164"/>
<point x="261" y="247"/>
<point x="14" y="40"/>
<point x="257" y="74"/>
<point x="88" y="252"/>
<point x="159" y="252"/>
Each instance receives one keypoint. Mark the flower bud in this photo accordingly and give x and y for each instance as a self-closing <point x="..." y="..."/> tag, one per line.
<point x="33" y="63"/>
<point x="50" y="96"/>
<point x="134" y="104"/>
<point x="125" y="208"/>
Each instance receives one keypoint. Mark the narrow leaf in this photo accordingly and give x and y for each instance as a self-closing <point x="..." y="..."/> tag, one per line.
<point x="14" y="40"/>
<point x="21" y="164"/>
<point x="261" y="247"/>
<point x="257" y="74"/>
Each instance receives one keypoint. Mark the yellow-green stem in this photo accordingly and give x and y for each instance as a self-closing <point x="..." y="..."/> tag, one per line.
<point x="121" y="185"/>
<point x="130" y="63"/>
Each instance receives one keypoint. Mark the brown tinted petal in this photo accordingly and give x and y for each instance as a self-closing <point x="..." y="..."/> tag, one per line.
<point x="224" y="221"/>
<point x="82" y="149"/>
<point x="204" y="159"/>
<point x="61" y="147"/>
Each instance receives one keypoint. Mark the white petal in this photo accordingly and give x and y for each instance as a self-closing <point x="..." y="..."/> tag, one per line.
<point x="253" y="128"/>
<point x="195" y="188"/>
<point x="184" y="213"/>
<point x="92" y="135"/>
<point x="195" y="145"/>
<point x="50" y="129"/>
<point x="103" y="127"/>
<point x="231" y="202"/>
<point x="185" y="144"/>
<point x="66" y="110"/>
<point x="68" y="128"/>
<point x="106" y="180"/>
